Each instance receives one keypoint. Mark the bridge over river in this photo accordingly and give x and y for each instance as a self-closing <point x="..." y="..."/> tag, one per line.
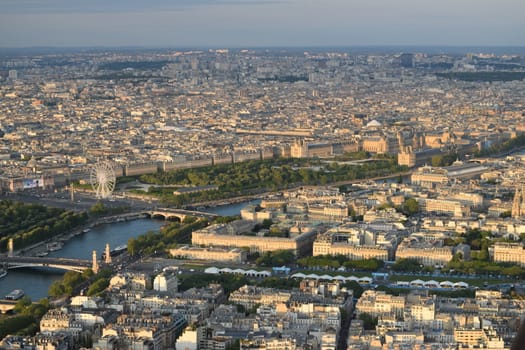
<point x="181" y="214"/>
<point x="13" y="262"/>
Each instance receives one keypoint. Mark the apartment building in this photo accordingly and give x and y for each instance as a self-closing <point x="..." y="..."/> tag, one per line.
<point x="509" y="253"/>
<point x="235" y="255"/>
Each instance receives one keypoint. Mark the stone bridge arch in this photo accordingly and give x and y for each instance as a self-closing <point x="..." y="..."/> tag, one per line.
<point x="166" y="216"/>
<point x="54" y="266"/>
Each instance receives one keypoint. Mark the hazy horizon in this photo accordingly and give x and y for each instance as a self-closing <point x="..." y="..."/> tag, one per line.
<point x="261" y="23"/>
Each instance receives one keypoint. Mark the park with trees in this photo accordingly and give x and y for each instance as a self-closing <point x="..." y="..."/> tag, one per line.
<point x="28" y="224"/>
<point x="252" y="177"/>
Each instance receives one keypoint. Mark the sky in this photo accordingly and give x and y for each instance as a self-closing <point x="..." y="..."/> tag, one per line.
<point x="261" y="23"/>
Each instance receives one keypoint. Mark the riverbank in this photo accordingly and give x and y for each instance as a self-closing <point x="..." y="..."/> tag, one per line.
<point x="41" y="248"/>
<point x="223" y="202"/>
<point x="36" y="281"/>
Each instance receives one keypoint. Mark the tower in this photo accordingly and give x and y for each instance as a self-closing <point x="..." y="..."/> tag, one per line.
<point x="406" y="157"/>
<point x="406" y="60"/>
<point x="13" y="74"/>
<point x="72" y="192"/>
<point x="107" y="257"/>
<point x="95" y="262"/>
<point x="518" y="204"/>
<point x="400" y="140"/>
<point x="10" y="247"/>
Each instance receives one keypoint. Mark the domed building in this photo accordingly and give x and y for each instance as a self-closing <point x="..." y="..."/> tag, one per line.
<point x="373" y="124"/>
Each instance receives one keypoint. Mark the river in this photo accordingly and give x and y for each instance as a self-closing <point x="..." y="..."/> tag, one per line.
<point x="36" y="281"/>
<point x="230" y="209"/>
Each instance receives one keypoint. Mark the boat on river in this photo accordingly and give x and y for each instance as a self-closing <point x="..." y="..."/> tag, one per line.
<point x="117" y="251"/>
<point x="54" y="246"/>
<point x="3" y="273"/>
<point x="15" y="294"/>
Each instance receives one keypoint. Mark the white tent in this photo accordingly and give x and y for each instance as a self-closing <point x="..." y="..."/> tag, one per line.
<point x="365" y="280"/>
<point x="212" y="270"/>
<point x="431" y="284"/>
<point x="446" y="284"/>
<point x="417" y="283"/>
<point x="461" y="285"/>
<point x="326" y="277"/>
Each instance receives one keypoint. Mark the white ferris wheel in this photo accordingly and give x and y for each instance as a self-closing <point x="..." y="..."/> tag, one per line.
<point x="102" y="179"/>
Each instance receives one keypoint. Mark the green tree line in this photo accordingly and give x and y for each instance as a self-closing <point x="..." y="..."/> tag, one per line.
<point x="72" y="280"/>
<point x="27" y="318"/>
<point x="337" y="261"/>
<point x="168" y="236"/>
<point x="232" y="282"/>
<point x="32" y="223"/>
<point x="256" y="176"/>
<point x="503" y="147"/>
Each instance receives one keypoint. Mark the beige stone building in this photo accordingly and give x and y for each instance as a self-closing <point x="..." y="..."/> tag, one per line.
<point x="425" y="252"/>
<point x="509" y="253"/>
<point x="470" y="199"/>
<point x="406" y="157"/>
<point x="268" y="344"/>
<point x="249" y="296"/>
<point x="351" y="251"/>
<point x="377" y="303"/>
<point x="328" y="212"/>
<point x="428" y="176"/>
<point x="300" y="244"/>
<point x="210" y="253"/>
<point x="355" y="243"/>
<point x="375" y="144"/>
<point x="56" y="320"/>
<point x="304" y="149"/>
<point x="472" y="337"/>
<point x="443" y="206"/>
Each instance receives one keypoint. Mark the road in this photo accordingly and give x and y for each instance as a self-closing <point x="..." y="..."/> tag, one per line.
<point x="81" y="202"/>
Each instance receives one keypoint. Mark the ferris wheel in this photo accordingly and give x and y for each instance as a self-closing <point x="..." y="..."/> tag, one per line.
<point x="102" y="179"/>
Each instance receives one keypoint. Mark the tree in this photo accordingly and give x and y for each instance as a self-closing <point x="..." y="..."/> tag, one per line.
<point x="410" y="206"/>
<point x="355" y="287"/>
<point x="277" y="258"/>
<point x="12" y="325"/>
<point x="22" y="304"/>
<point x="56" y="290"/>
<point x="437" y="160"/>
<point x="407" y="265"/>
<point x="235" y="345"/>
<point x="132" y="246"/>
<point x="98" y="286"/>
<point x="266" y="223"/>
<point x="369" y="321"/>
<point x="98" y="209"/>
<point x="365" y="264"/>
<point x="505" y="214"/>
<point x="189" y="219"/>
<point x="87" y="274"/>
